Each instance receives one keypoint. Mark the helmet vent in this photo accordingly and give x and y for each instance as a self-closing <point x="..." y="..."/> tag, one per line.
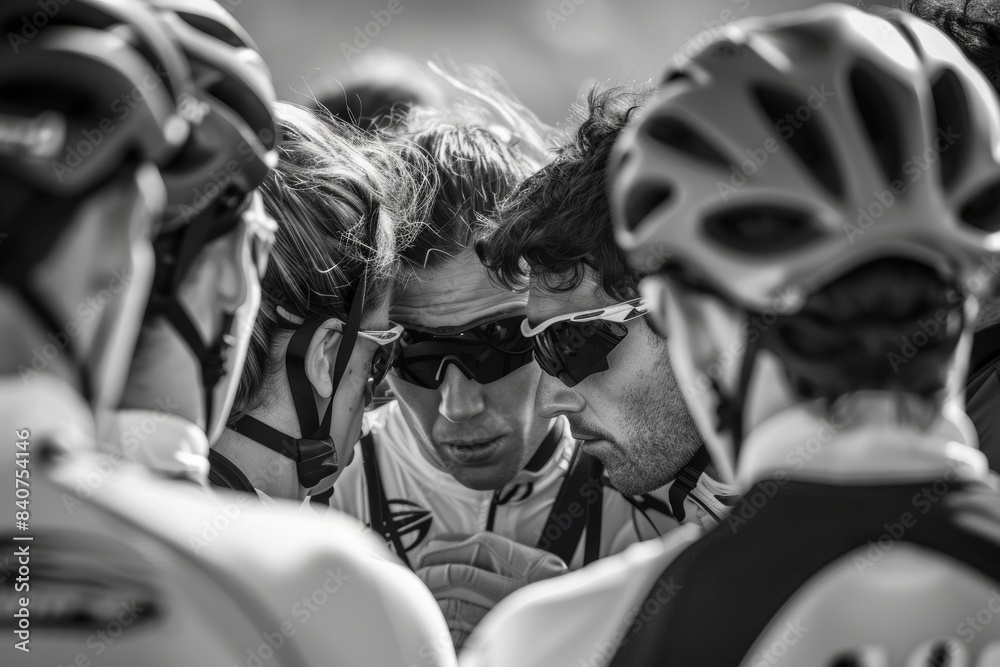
<point x="952" y="111"/>
<point x="879" y="117"/>
<point x="800" y="129"/>
<point x="761" y="230"/>
<point x="982" y="211"/>
<point x="681" y="137"/>
<point x="643" y="199"/>
<point x="675" y="75"/>
<point x="213" y="28"/>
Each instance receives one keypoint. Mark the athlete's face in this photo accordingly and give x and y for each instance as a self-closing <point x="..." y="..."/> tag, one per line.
<point x="631" y="416"/>
<point x="482" y="434"/>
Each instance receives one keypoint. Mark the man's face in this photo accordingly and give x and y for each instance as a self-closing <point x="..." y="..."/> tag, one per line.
<point x="631" y="416"/>
<point x="482" y="434"/>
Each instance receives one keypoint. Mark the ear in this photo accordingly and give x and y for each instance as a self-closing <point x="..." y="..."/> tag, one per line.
<point x="319" y="355"/>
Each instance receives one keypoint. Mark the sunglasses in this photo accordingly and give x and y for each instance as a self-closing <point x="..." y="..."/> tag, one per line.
<point x="258" y="231"/>
<point x="484" y="353"/>
<point x="385" y="353"/>
<point x="574" y="346"/>
<point x="387" y="340"/>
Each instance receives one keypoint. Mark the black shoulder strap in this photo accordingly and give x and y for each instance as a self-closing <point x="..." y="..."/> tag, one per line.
<point x="223" y="473"/>
<point x="378" y="505"/>
<point x="595" y="510"/>
<point x="686" y="480"/>
<point x="985" y="348"/>
<point x="575" y="509"/>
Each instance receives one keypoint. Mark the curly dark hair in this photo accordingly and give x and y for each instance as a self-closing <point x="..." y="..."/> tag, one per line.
<point x="973" y="25"/>
<point x="558" y="222"/>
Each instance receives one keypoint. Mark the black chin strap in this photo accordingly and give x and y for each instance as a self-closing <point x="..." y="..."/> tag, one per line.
<point x="731" y="408"/>
<point x="686" y="481"/>
<point x="210" y="358"/>
<point x="315" y="454"/>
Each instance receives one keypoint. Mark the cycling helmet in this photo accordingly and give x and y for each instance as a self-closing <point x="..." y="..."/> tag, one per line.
<point x="790" y="150"/>
<point x="229" y="154"/>
<point x="86" y="109"/>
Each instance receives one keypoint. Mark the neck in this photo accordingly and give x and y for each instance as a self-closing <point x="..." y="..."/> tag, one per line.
<point x="274" y="474"/>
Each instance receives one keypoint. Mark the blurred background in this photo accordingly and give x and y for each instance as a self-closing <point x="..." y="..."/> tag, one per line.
<point x="548" y="51"/>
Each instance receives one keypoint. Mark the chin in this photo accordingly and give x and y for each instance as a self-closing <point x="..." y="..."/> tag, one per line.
<point x="629" y="481"/>
<point x="484" y="479"/>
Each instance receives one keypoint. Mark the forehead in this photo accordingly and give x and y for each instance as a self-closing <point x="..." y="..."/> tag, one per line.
<point x="458" y="293"/>
<point x="544" y="303"/>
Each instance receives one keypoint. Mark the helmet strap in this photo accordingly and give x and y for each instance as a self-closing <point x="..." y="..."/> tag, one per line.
<point x="315" y="453"/>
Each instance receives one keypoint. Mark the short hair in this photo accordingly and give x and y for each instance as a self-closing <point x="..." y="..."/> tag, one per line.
<point x="558" y="222"/>
<point x="891" y="325"/>
<point x="479" y="151"/>
<point x="345" y="205"/>
<point x="973" y="25"/>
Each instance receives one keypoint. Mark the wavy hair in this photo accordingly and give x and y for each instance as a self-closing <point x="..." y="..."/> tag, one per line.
<point x="478" y="151"/>
<point x="346" y="205"/>
<point x="559" y="220"/>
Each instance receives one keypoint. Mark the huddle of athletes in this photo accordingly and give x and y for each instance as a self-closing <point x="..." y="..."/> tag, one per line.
<point x="443" y="386"/>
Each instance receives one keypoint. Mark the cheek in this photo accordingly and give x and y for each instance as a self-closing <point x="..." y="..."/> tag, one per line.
<point x="513" y="397"/>
<point x="422" y="404"/>
<point x="348" y="409"/>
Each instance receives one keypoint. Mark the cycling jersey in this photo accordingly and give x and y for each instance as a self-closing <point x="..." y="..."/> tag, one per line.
<point x="124" y="567"/>
<point x="823" y="532"/>
<point x="423" y="502"/>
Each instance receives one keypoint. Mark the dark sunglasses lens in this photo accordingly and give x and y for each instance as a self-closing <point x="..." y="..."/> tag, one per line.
<point x="573" y="351"/>
<point x="383" y="360"/>
<point x="485" y="354"/>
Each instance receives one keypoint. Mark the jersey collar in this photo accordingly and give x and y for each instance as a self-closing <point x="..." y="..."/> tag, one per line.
<point x="875" y="446"/>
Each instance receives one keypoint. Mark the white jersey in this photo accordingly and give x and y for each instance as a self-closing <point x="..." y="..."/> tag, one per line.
<point x="426" y="502"/>
<point x="598" y="608"/>
<point x="122" y="567"/>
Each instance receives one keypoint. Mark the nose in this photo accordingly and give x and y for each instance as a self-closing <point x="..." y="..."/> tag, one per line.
<point x="553" y="398"/>
<point x="461" y="398"/>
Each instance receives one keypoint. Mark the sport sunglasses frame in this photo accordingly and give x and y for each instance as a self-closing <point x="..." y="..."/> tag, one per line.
<point x="619" y="313"/>
<point x="453" y="334"/>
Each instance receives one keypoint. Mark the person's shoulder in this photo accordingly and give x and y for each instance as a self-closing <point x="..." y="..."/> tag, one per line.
<point x="512" y="633"/>
<point x="329" y="577"/>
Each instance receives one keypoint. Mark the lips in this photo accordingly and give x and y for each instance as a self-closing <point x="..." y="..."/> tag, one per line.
<point x="475" y="453"/>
